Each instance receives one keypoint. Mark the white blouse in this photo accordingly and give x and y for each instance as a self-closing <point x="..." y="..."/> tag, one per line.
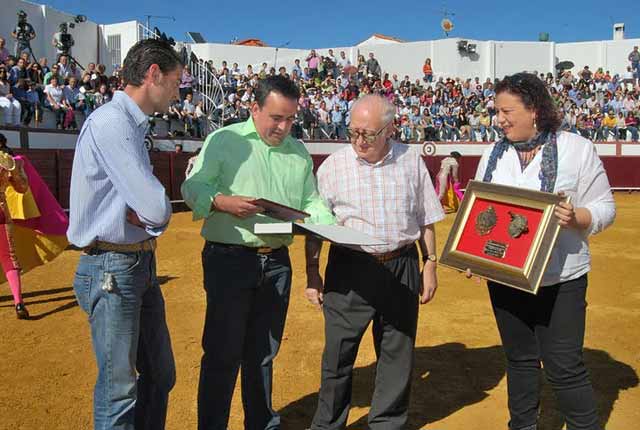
<point x="582" y="177"/>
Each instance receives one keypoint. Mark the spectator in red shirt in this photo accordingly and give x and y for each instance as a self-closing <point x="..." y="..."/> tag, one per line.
<point x="427" y="71"/>
<point x="631" y="124"/>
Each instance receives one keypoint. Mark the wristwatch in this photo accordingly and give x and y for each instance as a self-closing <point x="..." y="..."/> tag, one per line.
<point x="430" y="257"/>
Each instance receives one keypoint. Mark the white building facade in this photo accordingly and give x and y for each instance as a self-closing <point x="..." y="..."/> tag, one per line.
<point x="108" y="44"/>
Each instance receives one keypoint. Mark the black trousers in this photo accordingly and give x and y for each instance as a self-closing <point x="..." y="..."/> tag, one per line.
<point x="547" y="328"/>
<point x="358" y="290"/>
<point x="247" y="301"/>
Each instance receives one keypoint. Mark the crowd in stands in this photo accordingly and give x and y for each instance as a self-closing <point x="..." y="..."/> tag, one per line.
<point x="597" y="105"/>
<point x="28" y="86"/>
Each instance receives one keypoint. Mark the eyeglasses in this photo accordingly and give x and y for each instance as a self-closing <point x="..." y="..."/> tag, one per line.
<point x="369" y="138"/>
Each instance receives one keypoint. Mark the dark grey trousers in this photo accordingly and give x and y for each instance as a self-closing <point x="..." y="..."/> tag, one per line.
<point x="547" y="328"/>
<point x="358" y="290"/>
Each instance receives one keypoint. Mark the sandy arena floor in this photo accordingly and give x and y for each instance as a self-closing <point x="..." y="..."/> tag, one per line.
<point x="47" y="369"/>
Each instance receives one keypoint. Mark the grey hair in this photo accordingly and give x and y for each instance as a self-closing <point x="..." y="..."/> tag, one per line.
<point x="387" y="108"/>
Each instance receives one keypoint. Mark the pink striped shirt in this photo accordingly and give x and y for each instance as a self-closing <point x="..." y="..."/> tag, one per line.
<point x="389" y="200"/>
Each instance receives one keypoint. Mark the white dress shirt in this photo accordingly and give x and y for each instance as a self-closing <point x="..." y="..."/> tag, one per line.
<point x="582" y="177"/>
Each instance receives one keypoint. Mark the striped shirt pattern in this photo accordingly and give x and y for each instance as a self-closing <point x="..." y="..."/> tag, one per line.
<point x="389" y="200"/>
<point x="111" y="174"/>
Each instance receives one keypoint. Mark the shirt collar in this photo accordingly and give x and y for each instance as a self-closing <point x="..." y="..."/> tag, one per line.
<point x="123" y="99"/>
<point x="249" y="128"/>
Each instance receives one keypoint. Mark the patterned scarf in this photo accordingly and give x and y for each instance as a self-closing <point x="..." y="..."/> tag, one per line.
<point x="548" y="167"/>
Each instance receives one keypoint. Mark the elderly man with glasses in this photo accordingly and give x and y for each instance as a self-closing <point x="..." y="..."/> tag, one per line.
<point x="382" y="188"/>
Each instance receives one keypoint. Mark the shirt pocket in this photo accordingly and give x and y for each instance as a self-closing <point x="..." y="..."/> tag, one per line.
<point x="404" y="197"/>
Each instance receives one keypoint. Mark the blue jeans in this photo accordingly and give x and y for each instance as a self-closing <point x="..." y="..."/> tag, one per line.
<point x="247" y="301"/>
<point x="130" y="337"/>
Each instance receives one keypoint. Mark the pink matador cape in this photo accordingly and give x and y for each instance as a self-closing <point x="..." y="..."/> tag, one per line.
<point x="39" y="223"/>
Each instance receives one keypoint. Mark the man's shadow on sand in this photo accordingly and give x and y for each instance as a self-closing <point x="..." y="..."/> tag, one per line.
<point x="450" y="376"/>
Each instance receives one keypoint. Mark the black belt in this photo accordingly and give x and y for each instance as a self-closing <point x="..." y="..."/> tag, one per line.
<point x="254" y="250"/>
<point x="383" y="256"/>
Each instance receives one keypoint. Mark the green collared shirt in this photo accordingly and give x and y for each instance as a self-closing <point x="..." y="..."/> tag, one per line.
<point x="235" y="161"/>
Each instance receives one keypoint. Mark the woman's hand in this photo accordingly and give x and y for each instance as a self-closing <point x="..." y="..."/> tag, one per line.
<point x="469" y="275"/>
<point x="566" y="214"/>
<point x="571" y="217"/>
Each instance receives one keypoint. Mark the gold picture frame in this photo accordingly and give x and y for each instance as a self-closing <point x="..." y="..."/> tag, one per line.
<point x="503" y="234"/>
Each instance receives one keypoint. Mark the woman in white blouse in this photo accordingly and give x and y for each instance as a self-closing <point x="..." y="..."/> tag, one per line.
<point x="548" y="328"/>
<point x="9" y="105"/>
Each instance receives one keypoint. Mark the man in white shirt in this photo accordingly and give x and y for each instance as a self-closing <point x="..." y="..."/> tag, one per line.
<point x="343" y="61"/>
<point x="64" y="68"/>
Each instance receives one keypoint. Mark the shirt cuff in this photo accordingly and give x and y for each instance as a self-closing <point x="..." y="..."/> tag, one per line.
<point x="596" y="220"/>
<point x="155" y="231"/>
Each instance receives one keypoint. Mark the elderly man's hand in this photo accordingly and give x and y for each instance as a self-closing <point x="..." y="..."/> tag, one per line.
<point x="315" y="289"/>
<point x="429" y="282"/>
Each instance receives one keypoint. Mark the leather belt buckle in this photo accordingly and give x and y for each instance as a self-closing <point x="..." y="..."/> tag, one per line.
<point x="386" y="256"/>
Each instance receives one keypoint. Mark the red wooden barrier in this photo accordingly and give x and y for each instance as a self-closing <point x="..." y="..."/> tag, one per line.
<point x="55" y="168"/>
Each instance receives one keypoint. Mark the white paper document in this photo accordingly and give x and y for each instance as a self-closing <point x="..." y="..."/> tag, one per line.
<point x="334" y="233"/>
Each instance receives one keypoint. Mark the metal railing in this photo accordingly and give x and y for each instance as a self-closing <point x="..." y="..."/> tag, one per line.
<point x="145" y="33"/>
<point x="207" y="88"/>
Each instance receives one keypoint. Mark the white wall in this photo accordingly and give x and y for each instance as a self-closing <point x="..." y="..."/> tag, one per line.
<point x="374" y="40"/>
<point x="608" y="54"/>
<point x="513" y="57"/>
<point x="245" y="55"/>
<point x="400" y="58"/>
<point x="128" y="32"/>
<point x="448" y="62"/>
<point x="493" y="59"/>
<point x="13" y="138"/>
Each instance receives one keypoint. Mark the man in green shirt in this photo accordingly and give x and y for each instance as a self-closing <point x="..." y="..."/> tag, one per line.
<point x="54" y="72"/>
<point x="247" y="277"/>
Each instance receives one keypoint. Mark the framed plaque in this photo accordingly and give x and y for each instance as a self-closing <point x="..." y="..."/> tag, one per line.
<point x="504" y="234"/>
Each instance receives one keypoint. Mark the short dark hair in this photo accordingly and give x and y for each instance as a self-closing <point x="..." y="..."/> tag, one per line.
<point x="535" y="96"/>
<point x="276" y="84"/>
<point x="3" y="145"/>
<point x="145" y="53"/>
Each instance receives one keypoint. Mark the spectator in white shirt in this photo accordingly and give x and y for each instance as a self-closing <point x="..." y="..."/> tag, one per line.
<point x="343" y="61"/>
<point x="188" y="112"/>
<point x="55" y="100"/>
<point x="9" y="105"/>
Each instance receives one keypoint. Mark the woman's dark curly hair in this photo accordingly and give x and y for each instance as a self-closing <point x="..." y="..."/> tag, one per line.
<point x="535" y="96"/>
